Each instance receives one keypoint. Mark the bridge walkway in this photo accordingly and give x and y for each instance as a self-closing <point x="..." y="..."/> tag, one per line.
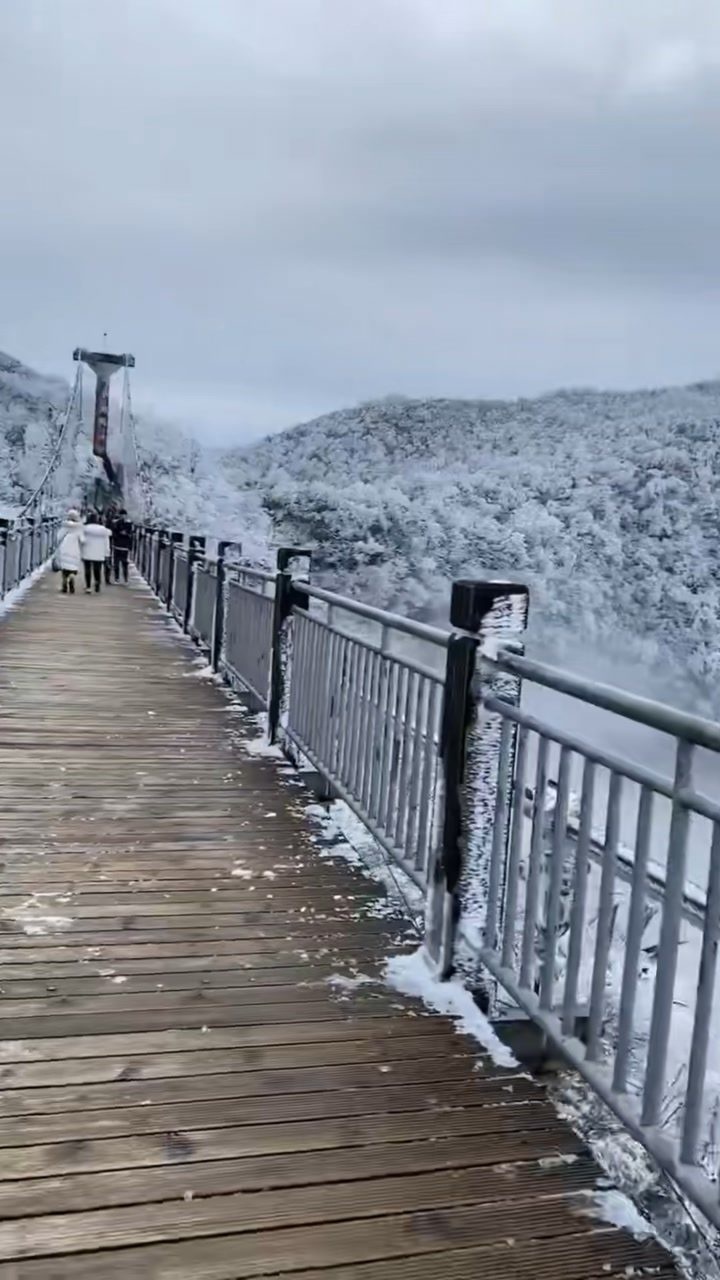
<point x="190" y="1083"/>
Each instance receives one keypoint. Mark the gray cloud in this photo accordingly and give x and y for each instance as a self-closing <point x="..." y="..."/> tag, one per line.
<point x="285" y="205"/>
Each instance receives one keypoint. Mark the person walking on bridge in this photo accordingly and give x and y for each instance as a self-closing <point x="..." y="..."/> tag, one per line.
<point x="70" y="551"/>
<point x="96" y="549"/>
<point x="122" y="536"/>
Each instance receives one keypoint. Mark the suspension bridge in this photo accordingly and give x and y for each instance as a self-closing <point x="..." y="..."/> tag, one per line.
<point x="207" y="1067"/>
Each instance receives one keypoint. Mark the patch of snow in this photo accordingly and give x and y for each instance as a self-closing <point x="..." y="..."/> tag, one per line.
<point x="260" y="746"/>
<point x="411" y="975"/>
<point x="616" y="1208"/>
<point x="346" y="983"/>
<point x="340" y="834"/>
<point x="554" y="1162"/>
<point x="13" y="598"/>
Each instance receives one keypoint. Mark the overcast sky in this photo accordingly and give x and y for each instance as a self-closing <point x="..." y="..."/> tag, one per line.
<point x="285" y="206"/>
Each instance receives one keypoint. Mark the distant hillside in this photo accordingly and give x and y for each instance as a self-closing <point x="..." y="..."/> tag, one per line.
<point x="29" y="405"/>
<point x="608" y="503"/>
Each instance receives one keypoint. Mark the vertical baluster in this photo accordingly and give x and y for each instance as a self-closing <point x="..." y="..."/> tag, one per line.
<point x="579" y="899"/>
<point x="359" y="741"/>
<point x="304" y="678"/>
<point x="314" y="673"/>
<point x="669" y="938"/>
<point x="532" y="890"/>
<point x="603" y="930"/>
<point x="387" y="758"/>
<point x="515" y="851"/>
<point x="410" y="716"/>
<point x="703" y="1008"/>
<point x="371" y="729"/>
<point x="339" y="680"/>
<point x="415" y="780"/>
<point x="497" y="851"/>
<point x="557" y="865"/>
<point x="380" y="734"/>
<point x="430" y="773"/>
<point x="633" y="941"/>
<point x="349" y="715"/>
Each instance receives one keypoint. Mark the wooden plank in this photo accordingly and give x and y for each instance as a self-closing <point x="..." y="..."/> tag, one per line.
<point x="267" y="1211"/>
<point x="410" y="1051"/>
<point x="331" y="1244"/>
<point x="135" y="1089"/>
<point x="168" y="1024"/>
<point x="603" y="1253"/>
<point x="71" y="1193"/>
<point x="183" y="1144"/>
<point x="316" y="995"/>
<point x="247" y="1038"/>
<point x="218" y="1108"/>
<point x="264" y="983"/>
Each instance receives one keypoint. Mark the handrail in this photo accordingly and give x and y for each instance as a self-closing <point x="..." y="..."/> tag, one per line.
<point x="506" y="850"/>
<point x="646" y="711"/>
<point x="407" y="626"/>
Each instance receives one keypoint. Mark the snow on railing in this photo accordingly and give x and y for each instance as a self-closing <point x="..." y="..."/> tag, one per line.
<point x="560" y="865"/>
<point x="25" y="545"/>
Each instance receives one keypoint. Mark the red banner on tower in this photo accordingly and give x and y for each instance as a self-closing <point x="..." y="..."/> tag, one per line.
<point x="102" y="413"/>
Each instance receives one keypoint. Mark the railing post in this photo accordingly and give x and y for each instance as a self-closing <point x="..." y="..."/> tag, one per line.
<point x="144" y="551"/>
<point x="480" y="612"/>
<point x="281" y="612"/>
<point x="175" y="538"/>
<point x="162" y="536"/>
<point x="149" y="535"/>
<point x="287" y="595"/>
<point x="4" y="525"/>
<point x="219" y="619"/>
<point x="196" y="549"/>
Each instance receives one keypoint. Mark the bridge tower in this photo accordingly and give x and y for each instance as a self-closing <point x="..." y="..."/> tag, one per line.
<point x="103" y="364"/>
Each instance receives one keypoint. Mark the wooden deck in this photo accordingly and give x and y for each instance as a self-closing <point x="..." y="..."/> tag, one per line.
<point x="185" y="1094"/>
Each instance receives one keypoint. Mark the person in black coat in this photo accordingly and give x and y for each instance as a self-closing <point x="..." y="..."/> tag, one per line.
<point x="122" y="536"/>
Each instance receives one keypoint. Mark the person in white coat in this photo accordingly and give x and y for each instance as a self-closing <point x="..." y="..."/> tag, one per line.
<point x="70" y="551"/>
<point x="96" y="549"/>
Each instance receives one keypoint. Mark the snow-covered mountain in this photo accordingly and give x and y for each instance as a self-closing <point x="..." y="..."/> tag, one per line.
<point x="29" y="407"/>
<point x="607" y="503"/>
<point x="183" y="486"/>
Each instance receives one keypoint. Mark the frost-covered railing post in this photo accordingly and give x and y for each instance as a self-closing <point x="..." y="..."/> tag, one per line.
<point x="175" y="541"/>
<point x="4" y="525"/>
<point x="287" y="596"/>
<point x="220" y="601"/>
<point x="477" y="756"/>
<point x="219" y="619"/>
<point x="163" y="540"/>
<point x="196" y="549"/>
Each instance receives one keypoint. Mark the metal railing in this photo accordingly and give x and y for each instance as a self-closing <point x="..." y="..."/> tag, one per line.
<point x="25" y="545"/>
<point x="557" y="865"/>
<point x="202" y="621"/>
<point x="610" y="952"/>
<point x="248" y="638"/>
<point x="368" y="718"/>
<point x="179" y="597"/>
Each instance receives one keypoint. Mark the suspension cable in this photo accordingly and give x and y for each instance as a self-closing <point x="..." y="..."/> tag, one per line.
<point x="130" y="434"/>
<point x="73" y="400"/>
